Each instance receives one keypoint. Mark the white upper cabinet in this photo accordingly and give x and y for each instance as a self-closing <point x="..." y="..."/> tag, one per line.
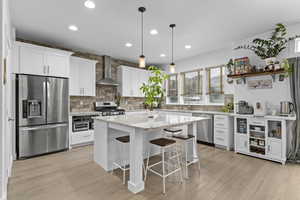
<point x="37" y="60"/>
<point x="130" y="81"/>
<point x="82" y="77"/>
<point x="32" y="61"/>
<point x="56" y="64"/>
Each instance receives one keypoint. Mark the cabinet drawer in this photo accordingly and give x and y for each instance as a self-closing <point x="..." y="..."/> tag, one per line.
<point x="221" y="121"/>
<point x="220" y="136"/>
<point x="82" y="137"/>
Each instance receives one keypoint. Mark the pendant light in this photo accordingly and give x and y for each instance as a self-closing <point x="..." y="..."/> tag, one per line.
<point x="142" y="62"/>
<point x="172" y="64"/>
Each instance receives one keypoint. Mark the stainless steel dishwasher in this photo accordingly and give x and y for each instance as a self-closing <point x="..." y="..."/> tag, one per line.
<point x="205" y="128"/>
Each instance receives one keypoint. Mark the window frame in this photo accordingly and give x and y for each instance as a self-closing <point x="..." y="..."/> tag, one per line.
<point x="222" y="68"/>
<point x="199" y="80"/>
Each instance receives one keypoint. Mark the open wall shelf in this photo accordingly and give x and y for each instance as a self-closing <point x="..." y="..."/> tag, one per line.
<point x="254" y="74"/>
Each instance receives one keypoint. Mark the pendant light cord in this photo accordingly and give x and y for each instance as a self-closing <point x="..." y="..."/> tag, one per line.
<point x="172" y="44"/>
<point x="142" y="33"/>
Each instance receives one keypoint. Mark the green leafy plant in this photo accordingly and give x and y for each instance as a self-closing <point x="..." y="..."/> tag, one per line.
<point x="271" y="47"/>
<point x="287" y="67"/>
<point x="153" y="89"/>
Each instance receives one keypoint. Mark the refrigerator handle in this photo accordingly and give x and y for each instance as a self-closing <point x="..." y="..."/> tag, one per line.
<point x="25" y="109"/>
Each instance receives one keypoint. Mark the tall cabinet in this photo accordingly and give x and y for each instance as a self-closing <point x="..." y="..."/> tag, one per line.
<point x="82" y="77"/>
<point x="261" y="137"/>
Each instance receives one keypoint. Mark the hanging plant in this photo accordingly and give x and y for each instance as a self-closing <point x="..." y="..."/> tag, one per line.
<point x="271" y="47"/>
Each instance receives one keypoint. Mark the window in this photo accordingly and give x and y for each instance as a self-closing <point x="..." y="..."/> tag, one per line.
<point x="297" y="45"/>
<point x="215" y="84"/>
<point x="192" y="87"/>
<point x="172" y="90"/>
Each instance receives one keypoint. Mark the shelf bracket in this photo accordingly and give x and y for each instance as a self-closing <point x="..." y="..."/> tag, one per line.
<point x="244" y="79"/>
<point x="274" y="77"/>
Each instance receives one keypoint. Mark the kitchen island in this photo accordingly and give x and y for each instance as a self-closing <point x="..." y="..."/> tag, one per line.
<point x="141" y="129"/>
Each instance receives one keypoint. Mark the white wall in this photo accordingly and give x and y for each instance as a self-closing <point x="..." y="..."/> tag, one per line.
<point x="221" y="56"/>
<point x="5" y="139"/>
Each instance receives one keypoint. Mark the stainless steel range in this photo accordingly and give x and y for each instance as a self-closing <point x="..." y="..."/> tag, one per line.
<point x="108" y="108"/>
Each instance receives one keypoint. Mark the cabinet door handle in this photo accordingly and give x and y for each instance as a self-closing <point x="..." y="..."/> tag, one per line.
<point x="269" y="149"/>
<point x="48" y="69"/>
<point x="83" y="90"/>
<point x="44" y="69"/>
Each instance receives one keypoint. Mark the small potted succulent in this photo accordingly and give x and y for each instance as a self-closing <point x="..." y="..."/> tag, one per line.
<point x="268" y="49"/>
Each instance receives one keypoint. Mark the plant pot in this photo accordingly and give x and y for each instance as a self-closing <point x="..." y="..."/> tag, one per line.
<point x="152" y="114"/>
<point x="270" y="61"/>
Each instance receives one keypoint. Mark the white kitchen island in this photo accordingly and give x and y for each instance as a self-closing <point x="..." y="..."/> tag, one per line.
<point x="141" y="129"/>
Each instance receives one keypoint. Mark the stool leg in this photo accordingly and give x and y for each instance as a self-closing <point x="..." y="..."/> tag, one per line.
<point x="123" y="163"/>
<point x="179" y="165"/>
<point x="163" y="170"/>
<point x="198" y="156"/>
<point x="186" y="160"/>
<point x="147" y="164"/>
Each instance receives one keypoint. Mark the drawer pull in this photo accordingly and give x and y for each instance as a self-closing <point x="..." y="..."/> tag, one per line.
<point x="218" y="138"/>
<point x="220" y="124"/>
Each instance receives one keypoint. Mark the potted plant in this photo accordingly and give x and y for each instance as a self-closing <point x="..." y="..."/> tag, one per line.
<point x="268" y="49"/>
<point x="153" y="89"/>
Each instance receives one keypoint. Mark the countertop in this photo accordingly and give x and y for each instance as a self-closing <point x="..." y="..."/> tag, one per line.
<point x="142" y="121"/>
<point x="85" y="113"/>
<point x="291" y="118"/>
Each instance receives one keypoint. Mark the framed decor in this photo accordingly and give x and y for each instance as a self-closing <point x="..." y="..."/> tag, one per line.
<point x="260" y="84"/>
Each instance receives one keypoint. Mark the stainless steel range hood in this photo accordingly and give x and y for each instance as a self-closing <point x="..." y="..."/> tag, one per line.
<point x="107" y="79"/>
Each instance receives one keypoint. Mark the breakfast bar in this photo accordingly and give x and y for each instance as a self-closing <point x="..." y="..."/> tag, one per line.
<point x="141" y="128"/>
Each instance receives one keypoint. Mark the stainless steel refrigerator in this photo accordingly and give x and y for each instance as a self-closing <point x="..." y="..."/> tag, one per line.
<point x="42" y="115"/>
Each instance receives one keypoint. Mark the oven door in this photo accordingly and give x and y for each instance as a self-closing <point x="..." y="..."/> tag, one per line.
<point x="81" y="126"/>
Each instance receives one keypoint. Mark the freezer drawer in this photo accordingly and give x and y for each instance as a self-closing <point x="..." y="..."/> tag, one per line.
<point x="33" y="141"/>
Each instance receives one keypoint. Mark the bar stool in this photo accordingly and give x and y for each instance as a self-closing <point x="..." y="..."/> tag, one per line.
<point x="122" y="163"/>
<point x="178" y="135"/>
<point x="123" y="140"/>
<point x="163" y="144"/>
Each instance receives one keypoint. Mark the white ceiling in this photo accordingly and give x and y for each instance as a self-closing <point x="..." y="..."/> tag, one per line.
<point x="205" y="24"/>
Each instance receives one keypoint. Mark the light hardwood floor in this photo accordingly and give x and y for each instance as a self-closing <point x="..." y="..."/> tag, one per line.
<point x="224" y="176"/>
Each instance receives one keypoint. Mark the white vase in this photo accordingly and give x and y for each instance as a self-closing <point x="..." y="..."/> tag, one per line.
<point x="270" y="61"/>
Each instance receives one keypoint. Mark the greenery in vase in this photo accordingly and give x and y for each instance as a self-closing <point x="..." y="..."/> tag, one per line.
<point x="153" y="89"/>
<point x="271" y="47"/>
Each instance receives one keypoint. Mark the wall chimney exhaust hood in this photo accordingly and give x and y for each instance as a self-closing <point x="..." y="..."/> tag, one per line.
<point x="107" y="79"/>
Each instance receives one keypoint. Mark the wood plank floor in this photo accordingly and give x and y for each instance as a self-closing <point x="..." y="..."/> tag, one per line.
<point x="224" y="176"/>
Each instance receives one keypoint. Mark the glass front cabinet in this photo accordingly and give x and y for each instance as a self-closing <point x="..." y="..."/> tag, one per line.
<point x="260" y="137"/>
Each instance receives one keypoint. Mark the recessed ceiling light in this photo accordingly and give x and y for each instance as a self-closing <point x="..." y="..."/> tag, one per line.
<point x="89" y="4"/>
<point x="153" y="32"/>
<point x="73" y="28"/>
<point x="128" y="44"/>
<point x="162" y="55"/>
<point x="188" y="46"/>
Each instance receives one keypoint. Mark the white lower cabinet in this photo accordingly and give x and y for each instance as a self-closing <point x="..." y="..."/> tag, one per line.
<point x="223" y="131"/>
<point x="241" y="141"/>
<point x="274" y="148"/>
<point x="260" y="137"/>
<point x="82" y="137"/>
